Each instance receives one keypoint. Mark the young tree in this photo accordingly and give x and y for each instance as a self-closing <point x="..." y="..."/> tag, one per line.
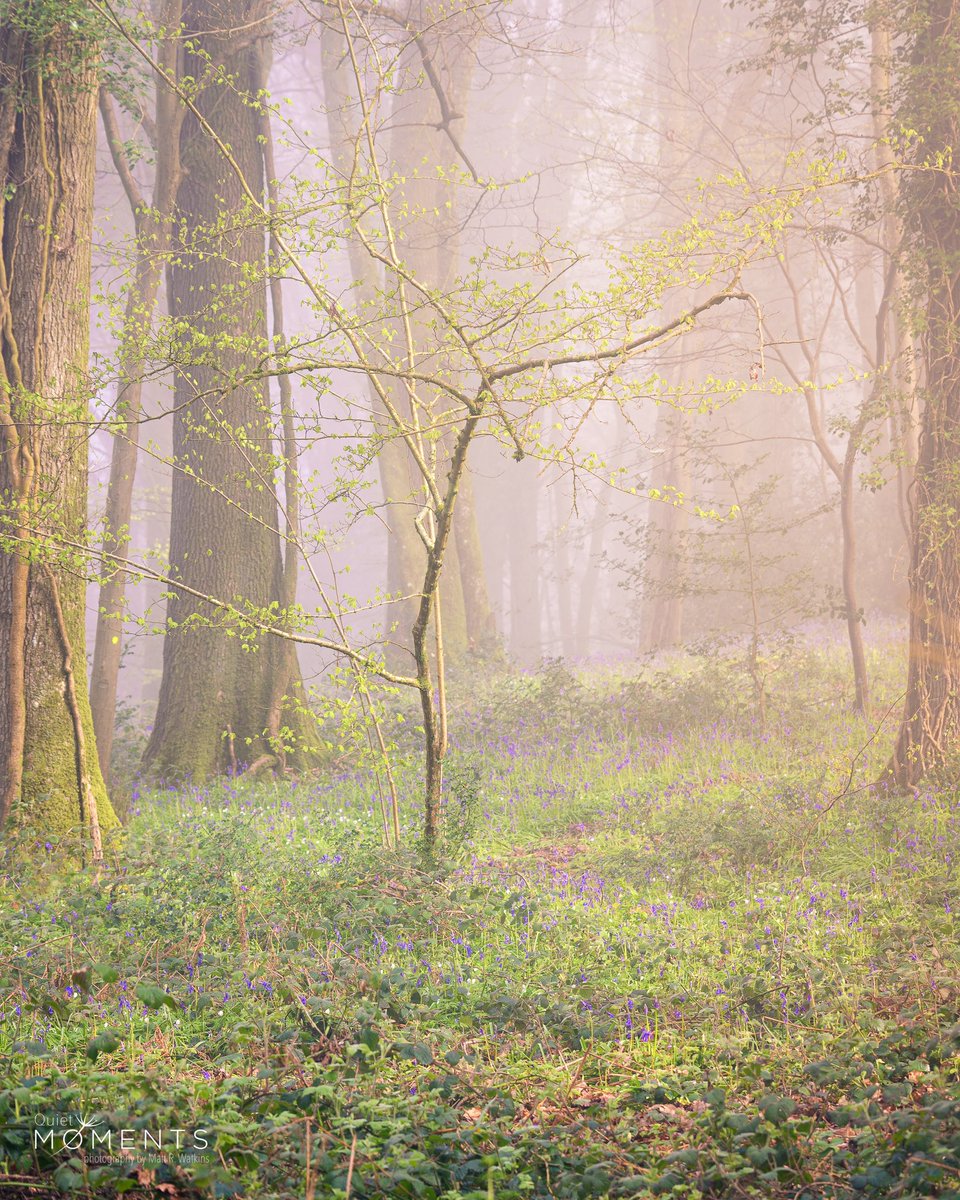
<point x="424" y="109"/>
<point x="494" y="354"/>
<point x="49" y="776"/>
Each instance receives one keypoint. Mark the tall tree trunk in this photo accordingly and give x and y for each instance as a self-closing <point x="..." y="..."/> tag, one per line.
<point x="218" y="685"/>
<point x="591" y="576"/>
<point x="563" y="574"/>
<point x="929" y="736"/>
<point x="900" y="340"/>
<point x="49" y="778"/>
<point x="662" y="618"/>
<point x="152" y="226"/>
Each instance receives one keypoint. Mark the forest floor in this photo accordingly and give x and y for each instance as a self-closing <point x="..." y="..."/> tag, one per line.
<point x="681" y="954"/>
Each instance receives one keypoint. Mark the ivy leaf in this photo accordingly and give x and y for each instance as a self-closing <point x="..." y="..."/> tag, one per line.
<point x="776" y="1109"/>
<point x="104" y="1043"/>
<point x="154" y="997"/>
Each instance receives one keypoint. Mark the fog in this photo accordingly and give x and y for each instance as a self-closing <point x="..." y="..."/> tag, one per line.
<point x="699" y="499"/>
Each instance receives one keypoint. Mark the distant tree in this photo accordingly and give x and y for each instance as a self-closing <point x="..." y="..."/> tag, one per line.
<point x="49" y="776"/>
<point x="425" y="109"/>
<point x="152" y="218"/>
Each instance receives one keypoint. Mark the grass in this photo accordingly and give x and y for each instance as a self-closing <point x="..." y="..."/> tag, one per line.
<point x="679" y="955"/>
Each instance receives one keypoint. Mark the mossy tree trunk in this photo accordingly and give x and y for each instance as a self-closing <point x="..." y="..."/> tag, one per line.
<point x="220" y="680"/>
<point x="929" y="736"/>
<point x="50" y="781"/>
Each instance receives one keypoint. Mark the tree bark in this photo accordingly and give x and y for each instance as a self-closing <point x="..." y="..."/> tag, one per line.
<point x="903" y="396"/>
<point x="928" y="736"/>
<point x="591" y="576"/>
<point x="663" y="618"/>
<point x="50" y="782"/>
<point x="218" y="685"/>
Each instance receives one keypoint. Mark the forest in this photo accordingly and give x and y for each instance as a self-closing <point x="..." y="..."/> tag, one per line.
<point x="479" y="599"/>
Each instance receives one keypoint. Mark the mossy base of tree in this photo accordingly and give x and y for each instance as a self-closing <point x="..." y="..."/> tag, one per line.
<point x="49" y="804"/>
<point x="208" y="744"/>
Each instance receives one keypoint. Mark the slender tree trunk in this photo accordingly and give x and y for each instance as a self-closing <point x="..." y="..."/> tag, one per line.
<point x="481" y="625"/>
<point x="432" y="702"/>
<point x="564" y="575"/>
<point x="663" y="624"/>
<point x="526" y="632"/>
<point x="843" y="470"/>
<point x="217" y="692"/>
<point x="49" y="778"/>
<point x="591" y="576"/>
<point x="849" y="573"/>
<point x="152" y="226"/>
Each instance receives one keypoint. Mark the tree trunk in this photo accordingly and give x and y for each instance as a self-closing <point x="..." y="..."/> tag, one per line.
<point x="219" y="679"/>
<point x="663" y="616"/>
<point x="481" y="624"/>
<point x="591" y="576"/>
<point x="526" y="632"/>
<point x="928" y="736"/>
<point x="152" y="226"/>
<point x="903" y="396"/>
<point x="50" y="782"/>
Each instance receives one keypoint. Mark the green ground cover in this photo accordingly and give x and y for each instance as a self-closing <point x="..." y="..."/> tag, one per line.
<point x="679" y="954"/>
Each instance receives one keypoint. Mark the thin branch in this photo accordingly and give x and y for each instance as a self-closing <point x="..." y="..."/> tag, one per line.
<point x="111" y="126"/>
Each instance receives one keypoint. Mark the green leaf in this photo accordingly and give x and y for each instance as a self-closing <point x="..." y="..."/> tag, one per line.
<point x="776" y="1109"/>
<point x="154" y="997"/>
<point x="104" y="1043"/>
<point x="67" y="1179"/>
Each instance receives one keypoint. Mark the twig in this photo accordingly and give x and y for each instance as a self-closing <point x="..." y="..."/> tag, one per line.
<point x="353" y="1155"/>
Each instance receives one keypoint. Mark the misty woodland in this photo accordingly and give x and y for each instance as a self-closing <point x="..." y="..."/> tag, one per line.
<point x="479" y="599"/>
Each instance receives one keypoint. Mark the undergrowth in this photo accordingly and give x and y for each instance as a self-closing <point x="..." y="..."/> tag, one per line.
<point x="666" y="953"/>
